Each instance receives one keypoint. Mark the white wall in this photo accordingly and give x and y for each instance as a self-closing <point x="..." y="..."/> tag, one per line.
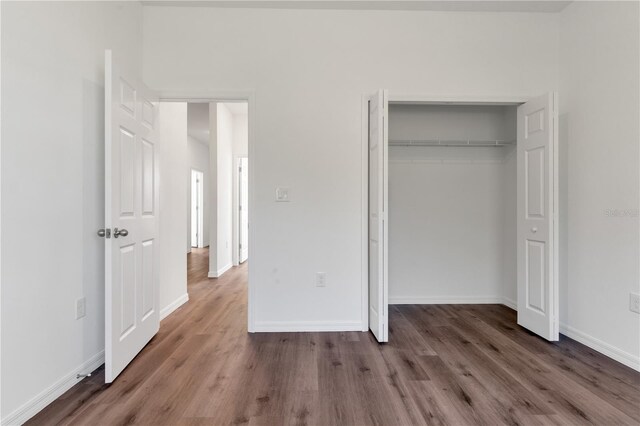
<point x="240" y="135"/>
<point x="509" y="225"/>
<point x="599" y="119"/>
<point x="309" y="70"/>
<point x="447" y="232"/>
<point x="224" y="173"/>
<point x="198" y="158"/>
<point x="172" y="132"/>
<point x="53" y="191"/>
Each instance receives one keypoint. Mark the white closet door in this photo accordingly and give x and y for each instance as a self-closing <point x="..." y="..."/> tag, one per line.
<point x="378" y="189"/>
<point x="537" y="216"/>
<point x="131" y="215"/>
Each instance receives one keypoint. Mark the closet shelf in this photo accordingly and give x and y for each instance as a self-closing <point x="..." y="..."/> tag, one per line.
<point x="443" y="142"/>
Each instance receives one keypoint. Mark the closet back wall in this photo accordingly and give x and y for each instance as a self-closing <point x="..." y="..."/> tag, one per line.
<point x="451" y="209"/>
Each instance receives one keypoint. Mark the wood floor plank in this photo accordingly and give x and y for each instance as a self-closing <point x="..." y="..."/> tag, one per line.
<point x="443" y="365"/>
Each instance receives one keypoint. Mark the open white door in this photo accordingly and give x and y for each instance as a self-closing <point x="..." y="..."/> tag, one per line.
<point x="131" y="216"/>
<point x="537" y="216"/>
<point x="244" y="209"/>
<point x="197" y="205"/>
<point x="378" y="189"/>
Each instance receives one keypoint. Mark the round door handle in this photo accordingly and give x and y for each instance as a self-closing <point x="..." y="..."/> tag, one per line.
<point x="120" y="232"/>
<point x="534" y="229"/>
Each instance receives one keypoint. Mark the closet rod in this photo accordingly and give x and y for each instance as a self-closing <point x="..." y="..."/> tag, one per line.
<point x="442" y="142"/>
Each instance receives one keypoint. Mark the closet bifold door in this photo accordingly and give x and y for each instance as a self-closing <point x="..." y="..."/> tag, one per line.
<point x="378" y="189"/>
<point x="537" y="216"/>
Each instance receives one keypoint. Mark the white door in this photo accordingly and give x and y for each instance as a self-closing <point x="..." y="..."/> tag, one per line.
<point x="378" y="188"/>
<point x="244" y="209"/>
<point x="537" y="216"/>
<point x="197" y="213"/>
<point x="131" y="216"/>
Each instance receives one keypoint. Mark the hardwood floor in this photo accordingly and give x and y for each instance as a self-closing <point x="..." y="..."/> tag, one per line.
<point x="444" y="364"/>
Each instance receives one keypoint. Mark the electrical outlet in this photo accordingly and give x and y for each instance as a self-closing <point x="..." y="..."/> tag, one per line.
<point x="282" y="194"/>
<point x="634" y="302"/>
<point x="81" y="307"/>
<point x="321" y="279"/>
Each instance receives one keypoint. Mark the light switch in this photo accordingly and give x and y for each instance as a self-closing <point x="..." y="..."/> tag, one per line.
<point x="282" y="194"/>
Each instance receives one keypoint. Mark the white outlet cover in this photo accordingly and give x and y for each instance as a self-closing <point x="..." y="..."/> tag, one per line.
<point x="282" y="194"/>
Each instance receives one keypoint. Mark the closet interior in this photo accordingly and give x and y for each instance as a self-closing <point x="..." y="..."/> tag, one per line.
<point x="452" y="203"/>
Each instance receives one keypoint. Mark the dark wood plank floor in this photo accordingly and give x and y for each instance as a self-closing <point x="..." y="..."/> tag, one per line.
<point x="456" y="365"/>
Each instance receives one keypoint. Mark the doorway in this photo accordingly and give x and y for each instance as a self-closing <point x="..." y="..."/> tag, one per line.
<point x="197" y="209"/>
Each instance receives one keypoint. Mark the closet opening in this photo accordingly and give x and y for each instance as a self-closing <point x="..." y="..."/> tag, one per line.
<point x="452" y="204"/>
<point x="462" y="207"/>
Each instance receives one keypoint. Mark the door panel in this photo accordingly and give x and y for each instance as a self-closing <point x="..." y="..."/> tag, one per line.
<point x="197" y="209"/>
<point x="131" y="193"/>
<point x="378" y="188"/>
<point x="537" y="217"/>
<point x="148" y="181"/>
<point x="244" y="209"/>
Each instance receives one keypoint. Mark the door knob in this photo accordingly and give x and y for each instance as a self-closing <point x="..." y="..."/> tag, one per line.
<point x="120" y="232"/>
<point x="104" y="233"/>
<point x="534" y="229"/>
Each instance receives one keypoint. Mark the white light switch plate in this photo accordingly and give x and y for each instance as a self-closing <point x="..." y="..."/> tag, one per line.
<point x="634" y="302"/>
<point x="81" y="307"/>
<point x="282" y="194"/>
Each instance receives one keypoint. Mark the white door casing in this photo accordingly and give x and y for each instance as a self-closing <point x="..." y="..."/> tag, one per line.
<point x="537" y="216"/>
<point x="378" y="202"/>
<point x="131" y="198"/>
<point x="243" y="207"/>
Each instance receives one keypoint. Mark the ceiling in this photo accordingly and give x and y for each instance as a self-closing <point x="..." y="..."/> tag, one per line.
<point x="541" y="6"/>
<point x="198" y="118"/>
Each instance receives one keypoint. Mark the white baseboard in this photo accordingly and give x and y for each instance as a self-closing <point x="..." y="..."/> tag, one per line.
<point x="219" y="272"/>
<point x="446" y="300"/>
<point x="53" y="392"/>
<point x="168" y="310"/>
<point x="604" y="348"/>
<point x="303" y="326"/>
<point x="510" y="303"/>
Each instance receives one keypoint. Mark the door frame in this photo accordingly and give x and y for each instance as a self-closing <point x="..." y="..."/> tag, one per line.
<point x="248" y="96"/>
<point x="200" y="213"/>
<point x="409" y="98"/>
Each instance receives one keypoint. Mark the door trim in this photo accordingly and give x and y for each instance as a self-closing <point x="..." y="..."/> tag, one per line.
<point x="249" y="96"/>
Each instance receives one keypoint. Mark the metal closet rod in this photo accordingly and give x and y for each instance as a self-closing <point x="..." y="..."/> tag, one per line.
<point x="444" y="142"/>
